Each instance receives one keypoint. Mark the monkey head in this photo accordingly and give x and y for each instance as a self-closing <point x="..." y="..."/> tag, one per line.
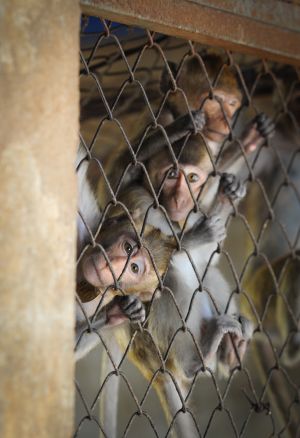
<point x="122" y="260"/>
<point x="180" y="184"/>
<point x="196" y="84"/>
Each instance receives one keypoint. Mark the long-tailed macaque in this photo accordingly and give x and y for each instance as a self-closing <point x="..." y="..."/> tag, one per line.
<point x="218" y="335"/>
<point x="272" y="294"/>
<point x="207" y="83"/>
<point x="271" y="301"/>
<point x="117" y="261"/>
<point x="271" y="280"/>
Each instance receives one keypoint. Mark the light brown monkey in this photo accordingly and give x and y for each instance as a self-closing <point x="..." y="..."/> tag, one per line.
<point x="221" y="336"/>
<point x="271" y="300"/>
<point x="120" y="259"/>
<point x="216" y="336"/>
<point x="271" y="280"/>
<point x="272" y="294"/>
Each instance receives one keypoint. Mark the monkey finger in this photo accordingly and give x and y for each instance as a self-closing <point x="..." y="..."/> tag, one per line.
<point x="265" y="125"/>
<point x="131" y="303"/>
<point x="232" y="187"/>
<point x="232" y="350"/>
<point x="247" y="327"/>
<point x="138" y="316"/>
<point x="199" y="120"/>
<point x="216" y="228"/>
<point x="228" y="324"/>
<point x="268" y="130"/>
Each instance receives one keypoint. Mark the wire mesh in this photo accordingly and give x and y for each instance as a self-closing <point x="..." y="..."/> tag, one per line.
<point x="132" y="90"/>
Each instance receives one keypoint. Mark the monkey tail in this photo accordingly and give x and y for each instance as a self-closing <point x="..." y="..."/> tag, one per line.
<point x="109" y="396"/>
<point x="171" y="393"/>
<point x="262" y="302"/>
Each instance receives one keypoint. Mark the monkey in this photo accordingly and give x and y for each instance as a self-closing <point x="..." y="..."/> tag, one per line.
<point x="118" y="261"/>
<point x="270" y="300"/>
<point x="215" y="335"/>
<point x="214" y="341"/>
<point x="273" y="294"/>
<point x="271" y="277"/>
<point x="208" y="83"/>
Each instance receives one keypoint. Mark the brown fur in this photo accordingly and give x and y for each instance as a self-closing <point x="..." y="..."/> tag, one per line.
<point x="193" y="81"/>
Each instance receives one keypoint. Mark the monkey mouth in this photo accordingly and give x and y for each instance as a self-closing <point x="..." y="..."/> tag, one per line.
<point x="221" y="132"/>
<point x="178" y="215"/>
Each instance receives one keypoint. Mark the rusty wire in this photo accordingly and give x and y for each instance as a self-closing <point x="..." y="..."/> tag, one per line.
<point x="120" y="75"/>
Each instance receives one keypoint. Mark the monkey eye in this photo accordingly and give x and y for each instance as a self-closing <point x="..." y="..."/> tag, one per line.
<point x="128" y="248"/>
<point x="193" y="177"/>
<point x="134" y="267"/>
<point x="173" y="174"/>
<point x="233" y="103"/>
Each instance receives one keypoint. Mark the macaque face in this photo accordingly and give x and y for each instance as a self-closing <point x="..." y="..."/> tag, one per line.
<point x="130" y="263"/>
<point x="176" y="196"/>
<point x="216" y="125"/>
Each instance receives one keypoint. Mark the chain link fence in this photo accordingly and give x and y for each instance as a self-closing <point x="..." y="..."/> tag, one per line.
<point x="218" y="352"/>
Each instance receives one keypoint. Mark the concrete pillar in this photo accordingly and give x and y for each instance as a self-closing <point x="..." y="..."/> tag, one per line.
<point x="39" y="125"/>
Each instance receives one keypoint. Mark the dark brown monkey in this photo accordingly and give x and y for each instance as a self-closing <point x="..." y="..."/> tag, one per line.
<point x="209" y="84"/>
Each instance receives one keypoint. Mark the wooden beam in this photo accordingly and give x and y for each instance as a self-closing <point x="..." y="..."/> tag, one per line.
<point x="240" y="26"/>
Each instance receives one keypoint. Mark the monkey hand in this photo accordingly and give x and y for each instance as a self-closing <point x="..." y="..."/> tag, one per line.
<point x="199" y="120"/>
<point x="260" y="129"/>
<point x="224" y="340"/>
<point x="234" y="345"/>
<point x="264" y="125"/>
<point x="124" y="307"/>
<point x="231" y="187"/>
<point x="205" y="230"/>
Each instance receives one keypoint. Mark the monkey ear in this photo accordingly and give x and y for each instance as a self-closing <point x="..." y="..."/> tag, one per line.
<point x="165" y="81"/>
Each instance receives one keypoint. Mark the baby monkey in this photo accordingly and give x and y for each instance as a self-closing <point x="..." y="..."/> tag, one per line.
<point x="119" y="260"/>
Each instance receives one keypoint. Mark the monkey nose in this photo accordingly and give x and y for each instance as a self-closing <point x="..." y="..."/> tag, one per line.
<point x="118" y="264"/>
<point x="180" y="200"/>
<point x="228" y="111"/>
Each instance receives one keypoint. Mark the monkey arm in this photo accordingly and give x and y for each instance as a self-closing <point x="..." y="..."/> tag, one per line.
<point x="154" y="143"/>
<point x="225" y="338"/>
<point x="175" y="131"/>
<point x="205" y="230"/>
<point x="118" y="310"/>
<point x="259" y="130"/>
<point x="212" y="228"/>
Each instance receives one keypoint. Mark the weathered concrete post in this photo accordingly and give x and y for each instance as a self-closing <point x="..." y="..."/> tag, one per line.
<point x="38" y="124"/>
